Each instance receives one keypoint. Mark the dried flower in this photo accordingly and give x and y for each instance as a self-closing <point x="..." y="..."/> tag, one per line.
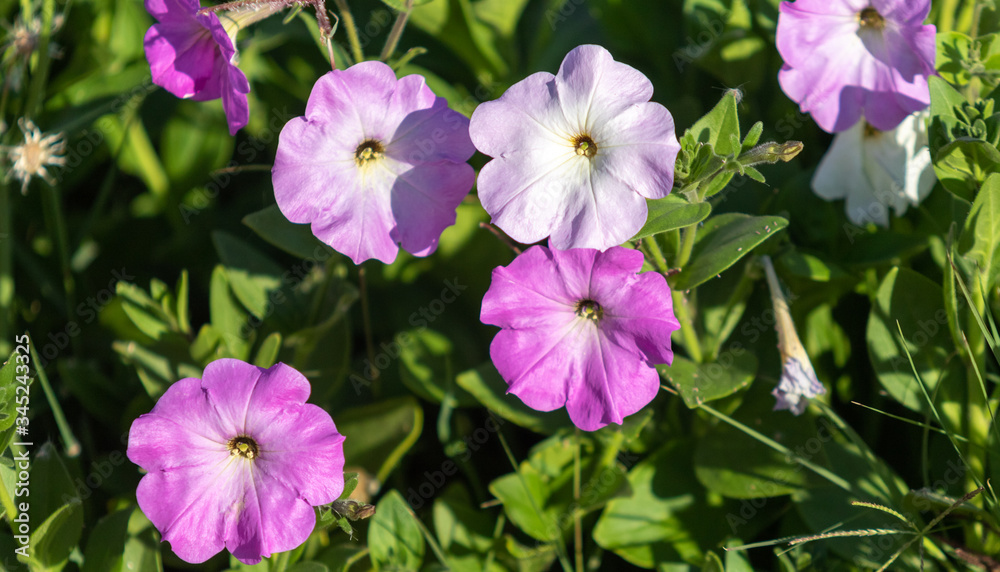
<point x="31" y="157"/>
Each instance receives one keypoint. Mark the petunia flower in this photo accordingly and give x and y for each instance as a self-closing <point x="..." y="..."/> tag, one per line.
<point x="848" y="58"/>
<point x="236" y="460"/>
<point x="580" y="329"/>
<point x="575" y="155"/>
<point x="798" y="381"/>
<point x="376" y="164"/>
<point x="192" y="56"/>
<point x="875" y="170"/>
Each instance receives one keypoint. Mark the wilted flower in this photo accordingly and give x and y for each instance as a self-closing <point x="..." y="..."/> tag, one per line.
<point x="798" y="381"/>
<point x="580" y="328"/>
<point x="375" y="165"/>
<point x="236" y="460"/>
<point x="38" y="151"/>
<point x="875" y="170"/>
<point x="848" y="58"/>
<point x="577" y="154"/>
<point x="192" y="56"/>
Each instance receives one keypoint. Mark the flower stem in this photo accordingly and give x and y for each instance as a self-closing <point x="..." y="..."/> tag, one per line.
<point x="57" y="225"/>
<point x="279" y="562"/>
<point x="36" y="91"/>
<point x="69" y="439"/>
<point x="352" y="30"/>
<point x="367" y="318"/>
<point x="691" y="343"/>
<point x="396" y="32"/>
<point x="6" y="271"/>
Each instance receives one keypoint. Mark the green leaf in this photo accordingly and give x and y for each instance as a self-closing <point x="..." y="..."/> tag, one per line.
<point x="917" y="304"/>
<point x="701" y="383"/>
<point x="295" y="239"/>
<point x="809" y="266"/>
<point x="143" y="310"/>
<point x="963" y="165"/>
<point x="106" y="546"/>
<point x="8" y="395"/>
<point x="718" y="126"/>
<point x="980" y="239"/>
<point x="381" y="433"/>
<point x="394" y="539"/>
<point x="461" y="526"/>
<point x="425" y="366"/>
<point x="486" y="385"/>
<point x="267" y="355"/>
<point x="53" y="540"/>
<point x="142" y="549"/>
<point x="672" y="212"/>
<point x="952" y="55"/>
<point x="523" y="495"/>
<point x="724" y="240"/>
<point x="227" y="316"/>
<point x="252" y="275"/>
<point x="664" y="516"/>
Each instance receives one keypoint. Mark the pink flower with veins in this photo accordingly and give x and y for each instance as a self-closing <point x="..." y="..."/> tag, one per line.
<point x="236" y="460"/>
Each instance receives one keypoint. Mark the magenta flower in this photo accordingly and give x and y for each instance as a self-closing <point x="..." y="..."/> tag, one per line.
<point x="236" y="460"/>
<point x="376" y="164"/>
<point x="575" y="154"/>
<point x="848" y="58"/>
<point x="191" y="56"/>
<point x="580" y="328"/>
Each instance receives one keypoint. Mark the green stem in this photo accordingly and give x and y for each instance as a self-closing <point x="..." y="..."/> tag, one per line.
<point x="279" y="562"/>
<point x="396" y="32"/>
<point x="36" y="91"/>
<point x="352" y="30"/>
<point x="821" y="471"/>
<point x="687" y="245"/>
<point x="367" y="319"/>
<point x="6" y="272"/>
<point x="946" y="16"/>
<point x="57" y="225"/>
<point x="65" y="431"/>
<point x="691" y="343"/>
<point x="977" y="13"/>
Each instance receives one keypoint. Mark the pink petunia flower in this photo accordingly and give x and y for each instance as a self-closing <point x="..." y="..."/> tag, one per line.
<point x="575" y="154"/>
<point x="848" y="58"/>
<point x="376" y="164"/>
<point x="191" y="56"/>
<point x="580" y="328"/>
<point x="236" y="460"/>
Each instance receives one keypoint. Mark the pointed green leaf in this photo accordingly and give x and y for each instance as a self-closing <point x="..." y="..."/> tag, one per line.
<point x="394" y="539"/>
<point x="700" y="383"/>
<point x="725" y="239"/>
<point x="485" y="383"/>
<point x="672" y="212"/>
<point x="295" y="239"/>
<point x="980" y="239"/>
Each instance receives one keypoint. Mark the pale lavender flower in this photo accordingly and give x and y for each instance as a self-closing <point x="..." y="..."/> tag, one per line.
<point x="580" y="329"/>
<point x="848" y="58"/>
<point x="575" y="155"/>
<point x="192" y="56"/>
<point x="236" y="460"/>
<point x="798" y="381"/>
<point x="376" y="164"/>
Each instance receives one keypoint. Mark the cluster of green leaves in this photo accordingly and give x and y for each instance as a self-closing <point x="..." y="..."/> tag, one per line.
<point x="899" y="319"/>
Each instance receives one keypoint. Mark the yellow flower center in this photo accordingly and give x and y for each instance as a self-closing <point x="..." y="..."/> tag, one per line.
<point x="584" y="146"/>
<point x="871" y="19"/>
<point x="368" y="152"/>
<point x="243" y="446"/>
<point x="590" y="310"/>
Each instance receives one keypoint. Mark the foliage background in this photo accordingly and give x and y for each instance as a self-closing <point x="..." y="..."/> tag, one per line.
<point x="160" y="249"/>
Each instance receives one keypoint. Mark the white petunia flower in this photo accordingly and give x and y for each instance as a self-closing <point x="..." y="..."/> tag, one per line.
<point x="875" y="170"/>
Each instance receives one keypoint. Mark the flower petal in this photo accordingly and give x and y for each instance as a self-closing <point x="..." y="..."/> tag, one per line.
<point x="593" y="88"/>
